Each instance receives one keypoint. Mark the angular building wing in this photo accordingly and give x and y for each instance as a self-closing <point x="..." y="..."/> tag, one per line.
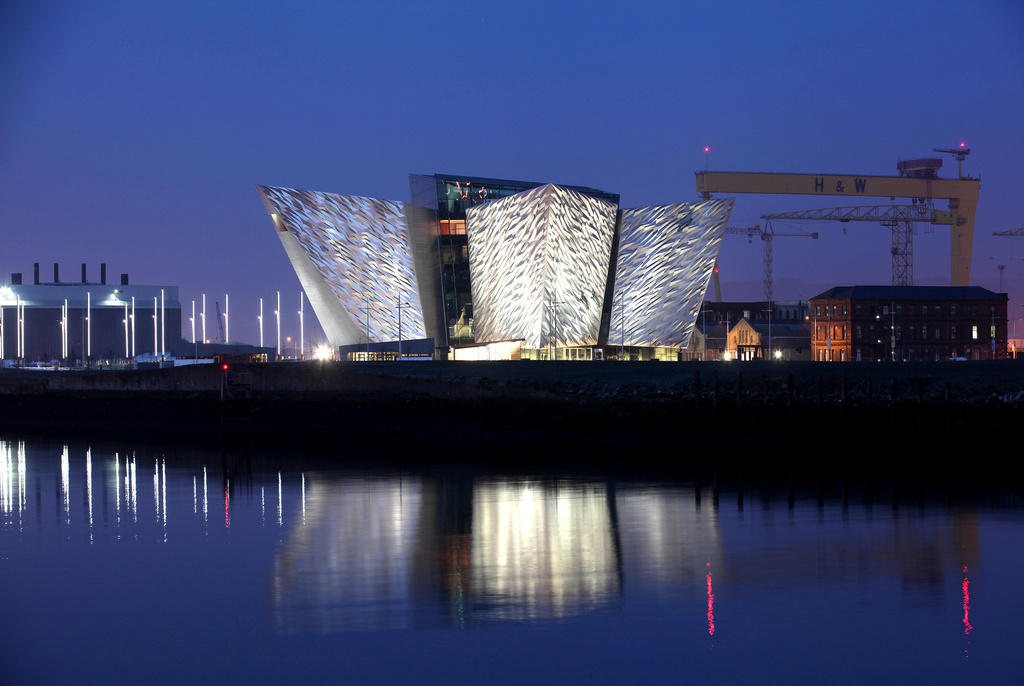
<point x="353" y="258"/>
<point x="494" y="261"/>
<point x="538" y="265"/>
<point x="666" y="254"/>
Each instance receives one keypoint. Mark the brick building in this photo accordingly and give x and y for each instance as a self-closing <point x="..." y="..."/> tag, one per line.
<point x="908" y="323"/>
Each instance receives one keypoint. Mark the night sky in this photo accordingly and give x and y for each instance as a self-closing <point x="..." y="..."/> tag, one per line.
<point x="133" y="133"/>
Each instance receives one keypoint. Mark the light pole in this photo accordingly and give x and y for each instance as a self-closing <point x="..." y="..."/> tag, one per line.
<point x="277" y="315"/>
<point x="366" y="312"/>
<point x="125" y="321"/>
<point x="156" y="331"/>
<point x="227" y="328"/>
<point x="401" y="305"/>
<point x="260" y="318"/>
<point x="554" y="327"/>
<point x="202" y="317"/>
<point x="88" y="329"/>
<point x="302" y="330"/>
<point x="192" y="321"/>
<point x="133" y="327"/>
<point x="163" y="328"/>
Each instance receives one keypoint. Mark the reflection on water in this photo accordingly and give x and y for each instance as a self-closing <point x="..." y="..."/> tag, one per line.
<point x="355" y="551"/>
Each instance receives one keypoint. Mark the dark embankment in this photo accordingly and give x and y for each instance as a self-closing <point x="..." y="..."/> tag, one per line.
<point x="910" y="417"/>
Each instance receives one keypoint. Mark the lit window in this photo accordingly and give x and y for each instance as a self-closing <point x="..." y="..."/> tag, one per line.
<point x="974" y="332"/>
<point x="992" y="331"/>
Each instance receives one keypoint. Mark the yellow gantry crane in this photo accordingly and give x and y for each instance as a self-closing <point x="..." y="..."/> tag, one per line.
<point x="916" y="181"/>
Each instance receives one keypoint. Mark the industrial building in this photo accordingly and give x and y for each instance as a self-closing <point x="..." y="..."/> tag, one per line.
<point x="497" y="269"/>
<point x="86" y="322"/>
<point x="908" y="323"/>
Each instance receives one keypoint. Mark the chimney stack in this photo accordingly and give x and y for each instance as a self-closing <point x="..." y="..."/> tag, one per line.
<point x="84" y="280"/>
<point x="124" y="279"/>
<point x="16" y="278"/>
<point x="35" y="269"/>
<point x="56" y="273"/>
<point x="103" y="273"/>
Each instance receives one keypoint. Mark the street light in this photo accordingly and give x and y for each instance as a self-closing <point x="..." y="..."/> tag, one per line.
<point x="302" y="330"/>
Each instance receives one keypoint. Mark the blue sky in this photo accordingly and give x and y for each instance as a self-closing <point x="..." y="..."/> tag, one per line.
<point x="133" y="133"/>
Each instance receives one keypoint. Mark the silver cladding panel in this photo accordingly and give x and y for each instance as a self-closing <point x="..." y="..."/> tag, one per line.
<point x="538" y="263"/>
<point x="360" y="247"/>
<point x="666" y="254"/>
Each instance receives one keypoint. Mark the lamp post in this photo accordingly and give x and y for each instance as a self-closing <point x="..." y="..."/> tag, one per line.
<point x="401" y="306"/>
<point x="554" y="328"/>
<point x="133" y="326"/>
<point x="192" y="321"/>
<point x="302" y="330"/>
<point x="125" y="322"/>
<point x="163" y="328"/>
<point x="227" y="328"/>
<point x="88" y="329"/>
<point x="260" y="318"/>
<point x="156" y="332"/>
<point x="202" y="317"/>
<point x="277" y="315"/>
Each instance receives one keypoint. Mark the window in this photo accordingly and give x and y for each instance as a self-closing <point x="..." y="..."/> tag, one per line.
<point x="885" y="309"/>
<point x="992" y="331"/>
<point x="857" y="309"/>
<point x="899" y="309"/>
<point x="453" y="227"/>
<point x="974" y="332"/>
<point x="858" y="332"/>
<point x="844" y="308"/>
<point x="858" y="354"/>
<point x="924" y="310"/>
<point x="952" y="332"/>
<point x="938" y="309"/>
<point x="924" y="333"/>
<point x="817" y="310"/>
<point x="844" y="332"/>
<point x="938" y="333"/>
<point x="952" y="310"/>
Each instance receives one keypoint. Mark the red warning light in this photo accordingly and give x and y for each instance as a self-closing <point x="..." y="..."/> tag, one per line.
<point x="707" y="148"/>
<point x="224" y="367"/>
<point x="716" y="270"/>
<point x="962" y="145"/>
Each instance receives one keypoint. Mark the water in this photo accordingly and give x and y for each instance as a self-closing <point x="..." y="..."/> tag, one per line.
<point x="121" y="565"/>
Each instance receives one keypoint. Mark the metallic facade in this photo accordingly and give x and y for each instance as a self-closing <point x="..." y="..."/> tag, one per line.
<point x="547" y="265"/>
<point x="539" y="264"/>
<point x="360" y="249"/>
<point x="666" y="254"/>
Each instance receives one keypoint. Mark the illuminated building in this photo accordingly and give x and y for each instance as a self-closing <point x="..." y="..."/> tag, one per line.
<point x="543" y="270"/>
<point x="910" y="323"/>
<point x="70" y="322"/>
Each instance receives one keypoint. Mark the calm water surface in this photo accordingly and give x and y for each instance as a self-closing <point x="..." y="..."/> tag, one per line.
<point x="148" y="566"/>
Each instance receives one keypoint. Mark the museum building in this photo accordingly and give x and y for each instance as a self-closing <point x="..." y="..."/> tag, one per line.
<point x="499" y="269"/>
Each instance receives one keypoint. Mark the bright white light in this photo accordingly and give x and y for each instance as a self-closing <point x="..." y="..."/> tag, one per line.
<point x="323" y="353"/>
<point x="778" y="354"/>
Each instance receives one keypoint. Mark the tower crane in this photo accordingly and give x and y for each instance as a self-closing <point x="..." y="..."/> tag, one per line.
<point x="898" y="218"/>
<point x="767" y="235"/>
<point x="1018" y="233"/>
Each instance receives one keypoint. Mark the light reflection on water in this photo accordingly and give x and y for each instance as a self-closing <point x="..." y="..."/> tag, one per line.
<point x="341" y="551"/>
